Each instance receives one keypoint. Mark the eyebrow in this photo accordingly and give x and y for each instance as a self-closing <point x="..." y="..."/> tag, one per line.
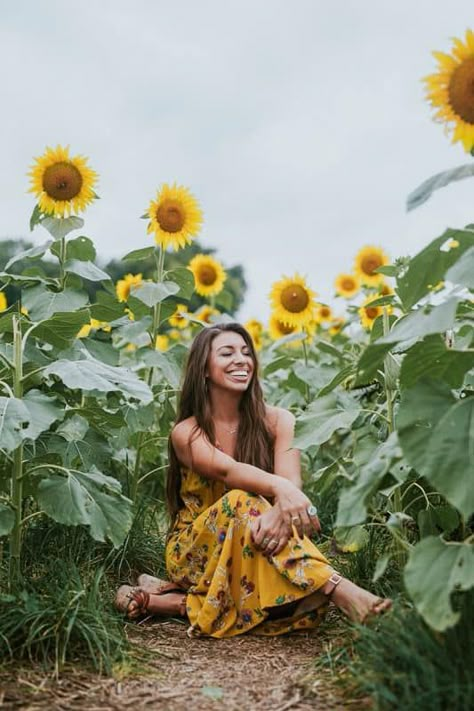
<point x="232" y="347"/>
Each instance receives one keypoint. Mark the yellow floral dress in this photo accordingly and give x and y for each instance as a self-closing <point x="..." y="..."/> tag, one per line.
<point x="232" y="587"/>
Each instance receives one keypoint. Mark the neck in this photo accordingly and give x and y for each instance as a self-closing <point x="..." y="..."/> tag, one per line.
<point x="225" y="406"/>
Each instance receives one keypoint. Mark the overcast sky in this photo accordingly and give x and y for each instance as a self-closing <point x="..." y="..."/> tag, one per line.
<point x="300" y="125"/>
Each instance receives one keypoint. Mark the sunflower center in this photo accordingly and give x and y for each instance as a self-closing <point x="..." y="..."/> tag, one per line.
<point x="461" y="90"/>
<point x="324" y="312"/>
<point x="207" y="274"/>
<point x="170" y="216"/>
<point x="283" y="328"/>
<point x="348" y="284"/>
<point x="62" y="181"/>
<point x="370" y="263"/>
<point x="294" y="298"/>
<point x="372" y="312"/>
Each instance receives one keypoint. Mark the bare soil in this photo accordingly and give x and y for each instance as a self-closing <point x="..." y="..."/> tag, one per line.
<point x="180" y="674"/>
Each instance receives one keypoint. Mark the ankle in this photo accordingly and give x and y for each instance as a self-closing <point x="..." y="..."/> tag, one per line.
<point x="331" y="584"/>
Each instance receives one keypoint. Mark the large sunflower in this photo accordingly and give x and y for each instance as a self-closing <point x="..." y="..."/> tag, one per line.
<point x="123" y="286"/>
<point x="367" y="260"/>
<point x="175" y="217"/>
<point x="451" y="90"/>
<point x="347" y="285"/>
<point x="277" y="329"/>
<point x="293" y="301"/>
<point x="209" y="275"/>
<point x="62" y="183"/>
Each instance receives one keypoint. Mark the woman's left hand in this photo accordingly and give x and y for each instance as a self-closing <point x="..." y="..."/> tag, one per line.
<point x="270" y="533"/>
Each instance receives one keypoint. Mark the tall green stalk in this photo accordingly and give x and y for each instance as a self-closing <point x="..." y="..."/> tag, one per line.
<point x="17" y="473"/>
<point x="160" y="261"/>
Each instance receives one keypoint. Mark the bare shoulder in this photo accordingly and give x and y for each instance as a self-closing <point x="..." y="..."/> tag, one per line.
<point x="182" y="431"/>
<point x="280" y="420"/>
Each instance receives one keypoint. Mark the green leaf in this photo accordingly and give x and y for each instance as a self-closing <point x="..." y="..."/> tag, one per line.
<point x="150" y="293"/>
<point x="14" y="419"/>
<point x="36" y="217"/>
<point x="381" y="566"/>
<point x="81" y="248"/>
<point x="7" y="519"/>
<point x="435" y="569"/>
<point x="185" y="280"/>
<point x="32" y="253"/>
<point x="423" y="322"/>
<point x="351" y="540"/>
<point x="431" y="358"/>
<point x="370" y="362"/>
<point x="59" y="227"/>
<point x="92" y="375"/>
<point x="169" y="363"/>
<point x="107" y="308"/>
<point x="61" y="329"/>
<point x="463" y="271"/>
<point x="323" y="417"/>
<point x="138" y="254"/>
<point x="354" y="500"/>
<point x="43" y="303"/>
<point x="278" y="363"/>
<point x="86" y="270"/>
<point x="224" y="301"/>
<point x="43" y="410"/>
<point x="87" y="498"/>
<point x="436" y="433"/>
<point x="429" y="266"/>
<point x="424" y="191"/>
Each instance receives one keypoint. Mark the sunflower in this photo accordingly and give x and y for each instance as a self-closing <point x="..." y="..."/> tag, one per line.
<point x="206" y="313"/>
<point x="62" y="183"/>
<point x="123" y="286"/>
<point x="277" y="329"/>
<point x="3" y="301"/>
<point x="336" y="325"/>
<point x="96" y="325"/>
<point x="385" y="289"/>
<point x="367" y="260"/>
<point x="369" y="313"/>
<point x="162" y="342"/>
<point x="178" y="319"/>
<point x="347" y="285"/>
<point x="174" y="334"/>
<point x="209" y="275"/>
<point x="175" y="217"/>
<point x="322" y="314"/>
<point x="293" y="301"/>
<point x="255" y="329"/>
<point x="451" y="90"/>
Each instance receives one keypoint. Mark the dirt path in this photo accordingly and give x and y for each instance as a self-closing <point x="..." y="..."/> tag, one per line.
<point x="246" y="673"/>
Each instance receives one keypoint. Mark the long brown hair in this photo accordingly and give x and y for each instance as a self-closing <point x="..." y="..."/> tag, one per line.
<point x="254" y="439"/>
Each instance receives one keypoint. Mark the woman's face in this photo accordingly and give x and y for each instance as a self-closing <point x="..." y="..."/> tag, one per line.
<point x="230" y="365"/>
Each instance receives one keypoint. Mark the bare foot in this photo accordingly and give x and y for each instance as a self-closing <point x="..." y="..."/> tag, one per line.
<point x="134" y="602"/>
<point x="358" y="604"/>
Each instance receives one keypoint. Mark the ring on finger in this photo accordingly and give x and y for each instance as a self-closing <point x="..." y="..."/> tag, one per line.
<point x="312" y="510"/>
<point x="265" y="541"/>
<point x="295" y="519"/>
<point x="273" y="543"/>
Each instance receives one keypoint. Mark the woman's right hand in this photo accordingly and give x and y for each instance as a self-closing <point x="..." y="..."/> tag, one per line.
<point x="293" y="506"/>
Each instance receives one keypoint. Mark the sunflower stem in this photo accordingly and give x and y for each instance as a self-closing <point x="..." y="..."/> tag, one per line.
<point x="305" y="353"/>
<point x="160" y="261"/>
<point x="17" y="473"/>
<point x="62" y="259"/>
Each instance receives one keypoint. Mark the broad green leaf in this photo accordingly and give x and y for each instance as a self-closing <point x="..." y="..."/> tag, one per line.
<point x="354" y="500"/>
<point x="314" y="375"/>
<point x="43" y="303"/>
<point x="138" y="254"/>
<point x="59" y="227"/>
<point x="278" y="363"/>
<point x="185" y="280"/>
<point x="224" y="300"/>
<point x="133" y="331"/>
<point x="73" y="428"/>
<point x="169" y="363"/>
<point x="107" y="308"/>
<point x="150" y="293"/>
<point x="463" y="271"/>
<point x="436" y="433"/>
<point x="7" y="519"/>
<point x="86" y="270"/>
<point x="61" y="329"/>
<point x="81" y="248"/>
<point x="44" y="410"/>
<point x="423" y="322"/>
<point x="430" y="265"/>
<point x="323" y="417"/>
<point x="14" y="419"/>
<point x="436" y="569"/>
<point x="32" y="253"/>
<point x="86" y="498"/>
<point x="424" y="191"/>
<point x="431" y="358"/>
<point x="91" y="375"/>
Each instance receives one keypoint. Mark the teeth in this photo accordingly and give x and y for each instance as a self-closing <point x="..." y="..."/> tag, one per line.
<point x="239" y="372"/>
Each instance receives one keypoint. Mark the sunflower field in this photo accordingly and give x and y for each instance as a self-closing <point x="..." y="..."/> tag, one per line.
<point x="382" y="386"/>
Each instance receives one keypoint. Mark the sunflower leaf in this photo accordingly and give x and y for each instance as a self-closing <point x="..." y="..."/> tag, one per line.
<point x="86" y="270"/>
<point x="463" y="271"/>
<point x="424" y="191"/>
<point x="185" y="280"/>
<point x="150" y="293"/>
<point x="32" y="253"/>
<point x="137" y="255"/>
<point x="59" y="227"/>
<point x="61" y="328"/>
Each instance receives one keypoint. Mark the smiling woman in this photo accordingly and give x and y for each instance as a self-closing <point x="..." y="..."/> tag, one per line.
<point x="239" y="553"/>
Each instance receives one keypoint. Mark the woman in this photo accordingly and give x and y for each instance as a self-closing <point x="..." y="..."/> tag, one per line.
<point x="239" y="539"/>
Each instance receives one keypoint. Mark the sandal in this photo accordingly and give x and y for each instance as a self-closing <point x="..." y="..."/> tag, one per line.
<point x="126" y="594"/>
